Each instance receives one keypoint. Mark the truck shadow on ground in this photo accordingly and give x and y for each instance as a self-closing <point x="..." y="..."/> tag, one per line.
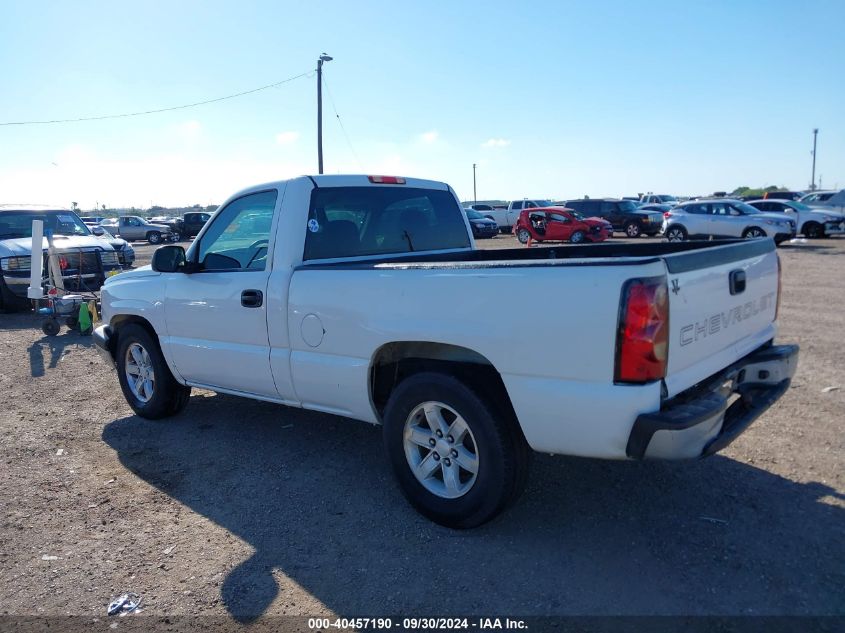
<point x="313" y="496"/>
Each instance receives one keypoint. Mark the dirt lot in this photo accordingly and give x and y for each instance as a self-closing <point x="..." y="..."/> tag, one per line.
<point x="238" y="508"/>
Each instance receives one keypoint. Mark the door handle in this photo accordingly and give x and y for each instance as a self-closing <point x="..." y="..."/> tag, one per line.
<point x="252" y="298"/>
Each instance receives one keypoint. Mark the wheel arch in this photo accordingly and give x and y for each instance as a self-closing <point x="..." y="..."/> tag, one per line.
<point x="393" y="362"/>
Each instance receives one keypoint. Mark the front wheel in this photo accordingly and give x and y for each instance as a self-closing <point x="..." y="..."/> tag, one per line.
<point x="154" y="237"/>
<point x="753" y="232"/>
<point x="175" y="237"/>
<point x="523" y="235"/>
<point x="146" y="381"/>
<point x="813" y="230"/>
<point x="458" y="460"/>
<point x="577" y="237"/>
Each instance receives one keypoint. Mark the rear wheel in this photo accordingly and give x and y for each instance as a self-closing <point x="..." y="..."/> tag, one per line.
<point x="632" y="229"/>
<point x="523" y="235"/>
<point x="154" y="237"/>
<point x="147" y="384"/>
<point x="676" y="234"/>
<point x="175" y="237"/>
<point x="813" y="230"/>
<point x="458" y="460"/>
<point x="577" y="237"/>
<point x="753" y="232"/>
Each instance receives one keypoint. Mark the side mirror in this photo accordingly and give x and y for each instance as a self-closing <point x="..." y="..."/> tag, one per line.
<point x="169" y="259"/>
<point x="98" y="231"/>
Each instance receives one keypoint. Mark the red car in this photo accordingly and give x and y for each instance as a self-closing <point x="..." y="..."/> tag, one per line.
<point x="560" y="224"/>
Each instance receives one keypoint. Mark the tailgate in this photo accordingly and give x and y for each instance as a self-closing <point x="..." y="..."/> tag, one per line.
<point x="722" y="302"/>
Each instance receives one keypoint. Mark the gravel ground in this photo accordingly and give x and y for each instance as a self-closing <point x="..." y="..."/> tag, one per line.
<point x="238" y="508"/>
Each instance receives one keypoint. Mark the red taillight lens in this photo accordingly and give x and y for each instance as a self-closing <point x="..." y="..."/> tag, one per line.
<point x="642" y="341"/>
<point x="777" y="301"/>
<point x="63" y="263"/>
<point x="667" y="214"/>
<point x="386" y="180"/>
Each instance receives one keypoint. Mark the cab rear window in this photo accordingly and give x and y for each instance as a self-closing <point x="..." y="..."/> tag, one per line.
<point x="358" y="221"/>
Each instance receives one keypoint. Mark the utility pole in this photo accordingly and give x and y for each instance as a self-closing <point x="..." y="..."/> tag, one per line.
<point x="474" y="194"/>
<point x="813" y="179"/>
<point x="322" y="58"/>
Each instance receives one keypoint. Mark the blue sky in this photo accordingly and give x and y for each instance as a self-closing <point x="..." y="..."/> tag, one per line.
<point x="555" y="99"/>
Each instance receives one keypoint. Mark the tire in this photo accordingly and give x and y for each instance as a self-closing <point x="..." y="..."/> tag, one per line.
<point x="753" y="232"/>
<point x="632" y="229"/>
<point x="813" y="230"/>
<point x="50" y="327"/>
<point x="577" y="237"/>
<point x="164" y="396"/>
<point x="676" y="234"/>
<point x="523" y="235"/>
<point x="175" y="237"/>
<point x="154" y="237"/>
<point x="502" y="456"/>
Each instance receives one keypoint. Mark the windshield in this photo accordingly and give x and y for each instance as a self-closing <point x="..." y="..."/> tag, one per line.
<point x="18" y="224"/>
<point x="800" y="206"/>
<point x="575" y="214"/>
<point x="543" y="203"/>
<point x="473" y="215"/>
<point x="667" y="199"/>
<point x="627" y="205"/>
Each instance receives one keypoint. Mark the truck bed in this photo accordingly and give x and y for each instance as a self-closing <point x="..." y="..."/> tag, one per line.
<point x="679" y="256"/>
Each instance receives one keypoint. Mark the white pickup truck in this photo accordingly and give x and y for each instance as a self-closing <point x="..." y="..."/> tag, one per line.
<point x="365" y="297"/>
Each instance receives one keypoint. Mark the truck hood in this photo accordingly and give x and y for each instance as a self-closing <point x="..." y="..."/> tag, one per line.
<point x="137" y="273"/>
<point x="23" y="245"/>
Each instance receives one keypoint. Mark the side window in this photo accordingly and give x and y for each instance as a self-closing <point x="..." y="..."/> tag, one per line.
<point x="607" y="208"/>
<point x="557" y="217"/>
<point x="239" y="236"/>
<point x="695" y="209"/>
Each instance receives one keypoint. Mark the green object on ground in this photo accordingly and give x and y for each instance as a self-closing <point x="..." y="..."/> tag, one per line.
<point x="84" y="319"/>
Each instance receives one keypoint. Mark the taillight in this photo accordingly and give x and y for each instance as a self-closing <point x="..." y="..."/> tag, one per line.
<point x="63" y="263"/>
<point x="667" y="214"/>
<point x="642" y="340"/>
<point x="777" y="301"/>
<point x="386" y="180"/>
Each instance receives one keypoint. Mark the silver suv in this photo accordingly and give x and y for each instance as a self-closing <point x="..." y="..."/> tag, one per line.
<point x="724" y="217"/>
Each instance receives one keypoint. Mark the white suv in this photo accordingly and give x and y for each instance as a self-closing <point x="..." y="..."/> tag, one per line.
<point x="811" y="221"/>
<point x="724" y="217"/>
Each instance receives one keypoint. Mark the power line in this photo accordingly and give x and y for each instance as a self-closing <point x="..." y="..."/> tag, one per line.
<point x="179" y="107"/>
<point x="348" y="142"/>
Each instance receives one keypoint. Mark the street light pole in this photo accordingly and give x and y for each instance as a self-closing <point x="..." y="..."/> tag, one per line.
<point x="322" y="58"/>
<point x="474" y="194"/>
<point x="813" y="180"/>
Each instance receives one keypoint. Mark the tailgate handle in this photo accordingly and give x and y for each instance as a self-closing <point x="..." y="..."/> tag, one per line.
<point x="737" y="281"/>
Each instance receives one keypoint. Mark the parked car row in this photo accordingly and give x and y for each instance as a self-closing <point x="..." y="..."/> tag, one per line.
<point x="155" y="230"/>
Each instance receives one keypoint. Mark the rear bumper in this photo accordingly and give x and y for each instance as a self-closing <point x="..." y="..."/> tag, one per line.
<point x="703" y="421"/>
